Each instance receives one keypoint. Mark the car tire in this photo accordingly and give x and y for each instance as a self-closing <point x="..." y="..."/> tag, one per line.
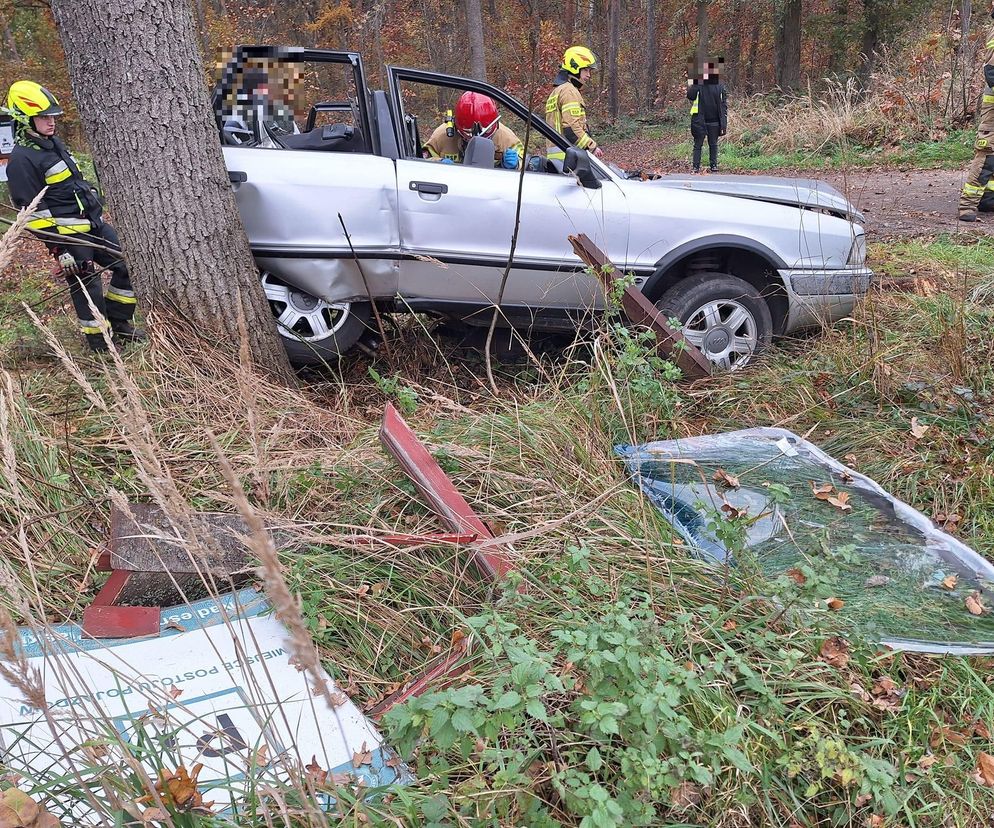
<point x="314" y="332"/>
<point x="723" y="315"/>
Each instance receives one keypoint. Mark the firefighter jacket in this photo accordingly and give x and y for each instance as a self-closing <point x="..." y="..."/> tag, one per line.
<point x="710" y="104"/>
<point x="440" y="145"/>
<point x="565" y="113"/>
<point x="70" y="205"/>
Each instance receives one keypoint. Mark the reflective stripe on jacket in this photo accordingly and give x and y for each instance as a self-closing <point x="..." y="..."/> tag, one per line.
<point x="69" y="206"/>
<point x="565" y="113"/>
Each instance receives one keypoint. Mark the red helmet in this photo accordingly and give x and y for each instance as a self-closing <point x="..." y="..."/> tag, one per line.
<point x="476" y="114"/>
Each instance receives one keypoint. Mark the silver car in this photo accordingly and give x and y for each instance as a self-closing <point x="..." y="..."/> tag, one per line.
<point x="348" y="213"/>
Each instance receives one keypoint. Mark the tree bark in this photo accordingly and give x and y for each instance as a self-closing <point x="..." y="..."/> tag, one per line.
<point x="839" y="38"/>
<point x="750" y="77"/>
<point x="10" y="45"/>
<point x="652" y="59"/>
<point x="733" y="57"/>
<point x="137" y="76"/>
<point x="474" y="26"/>
<point x="613" y="44"/>
<point x="873" y="11"/>
<point x="965" y="53"/>
<point x="703" y="34"/>
<point x="788" y="45"/>
<point x="569" y="19"/>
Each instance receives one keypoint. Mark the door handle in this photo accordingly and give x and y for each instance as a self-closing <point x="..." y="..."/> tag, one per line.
<point x="429" y="188"/>
<point x="236" y="177"/>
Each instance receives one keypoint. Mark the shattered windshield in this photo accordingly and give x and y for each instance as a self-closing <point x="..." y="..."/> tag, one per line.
<point x="805" y="515"/>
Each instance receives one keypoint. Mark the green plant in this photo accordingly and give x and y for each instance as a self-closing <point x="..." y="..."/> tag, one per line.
<point x="406" y="397"/>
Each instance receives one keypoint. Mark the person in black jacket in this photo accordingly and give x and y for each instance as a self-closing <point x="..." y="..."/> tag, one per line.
<point x="708" y="113"/>
<point x="68" y="217"/>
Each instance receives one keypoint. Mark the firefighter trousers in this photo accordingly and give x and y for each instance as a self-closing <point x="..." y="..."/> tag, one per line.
<point x="973" y="189"/>
<point x="118" y="305"/>
<point x="700" y="131"/>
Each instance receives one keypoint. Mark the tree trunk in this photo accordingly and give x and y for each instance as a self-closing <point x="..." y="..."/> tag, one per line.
<point x="172" y="201"/>
<point x="652" y="61"/>
<point x="873" y="11"/>
<point x="703" y="34"/>
<point x="474" y="26"/>
<point x="10" y="45"/>
<point x="569" y="19"/>
<point x="734" y="55"/>
<point x="750" y="77"/>
<point x="613" y="43"/>
<point x="966" y="53"/>
<point x="788" y="45"/>
<point x="839" y="39"/>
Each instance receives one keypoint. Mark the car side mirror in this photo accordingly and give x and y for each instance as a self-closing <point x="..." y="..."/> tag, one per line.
<point x="578" y="162"/>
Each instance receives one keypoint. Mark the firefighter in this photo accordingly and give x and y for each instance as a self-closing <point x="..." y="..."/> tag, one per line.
<point x="475" y="114"/>
<point x="708" y="114"/>
<point x="973" y="189"/>
<point x="68" y="218"/>
<point x="564" y="110"/>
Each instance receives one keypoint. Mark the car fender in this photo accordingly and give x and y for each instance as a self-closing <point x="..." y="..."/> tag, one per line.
<point x="705" y="243"/>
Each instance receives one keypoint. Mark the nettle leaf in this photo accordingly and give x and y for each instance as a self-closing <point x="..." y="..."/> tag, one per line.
<point x="537" y="710"/>
<point x="508" y="699"/>
<point x="462" y="720"/>
<point x="594" y="761"/>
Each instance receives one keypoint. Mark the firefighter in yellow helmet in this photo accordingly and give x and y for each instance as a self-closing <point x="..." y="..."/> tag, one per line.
<point x="68" y="218"/>
<point x="564" y="110"/>
<point x="973" y="189"/>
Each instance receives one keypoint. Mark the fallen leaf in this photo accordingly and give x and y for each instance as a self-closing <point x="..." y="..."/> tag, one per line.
<point x="845" y="477"/>
<point x="17" y="809"/>
<point x="175" y="692"/>
<point x="850" y="459"/>
<point x="876" y="581"/>
<point x="797" y="576"/>
<point x="458" y="638"/>
<point x="946" y="734"/>
<point x="950" y="581"/>
<point x="917" y="429"/>
<point x="175" y="625"/>
<point x="377" y="588"/>
<point x="154" y="815"/>
<point x="730" y="480"/>
<point x="822" y="491"/>
<point x="985" y="769"/>
<point x="835" y="651"/>
<point x="733" y="512"/>
<point x="338" y="698"/>
<point x="876" y="821"/>
<point x="261" y="757"/>
<point x="361" y="757"/>
<point x="974" y="604"/>
<point x="729" y="625"/>
<point x="860" y="692"/>
<point x="316" y="775"/>
<point x="927" y="761"/>
<point x="863" y="800"/>
<point x="178" y="789"/>
<point x="980" y="729"/>
<point x="362" y="591"/>
<point x="685" y="795"/>
<point x="840" y="501"/>
<point x="886" y="694"/>
<point x="835" y="603"/>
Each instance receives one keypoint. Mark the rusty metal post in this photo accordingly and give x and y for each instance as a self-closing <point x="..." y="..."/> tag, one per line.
<point x="640" y="311"/>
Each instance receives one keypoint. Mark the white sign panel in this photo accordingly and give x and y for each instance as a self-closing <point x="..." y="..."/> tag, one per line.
<point x="6" y="146"/>
<point x="215" y="688"/>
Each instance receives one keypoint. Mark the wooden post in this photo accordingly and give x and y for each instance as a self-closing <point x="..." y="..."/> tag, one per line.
<point x="640" y="311"/>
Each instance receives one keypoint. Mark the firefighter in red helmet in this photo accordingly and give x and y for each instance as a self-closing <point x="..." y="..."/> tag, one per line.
<point x="475" y="114"/>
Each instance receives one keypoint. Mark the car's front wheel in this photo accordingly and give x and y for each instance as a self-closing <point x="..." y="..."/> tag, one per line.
<point x="723" y="315"/>
<point x="313" y="331"/>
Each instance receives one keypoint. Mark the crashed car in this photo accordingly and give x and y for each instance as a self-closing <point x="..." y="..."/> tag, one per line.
<point x="347" y="212"/>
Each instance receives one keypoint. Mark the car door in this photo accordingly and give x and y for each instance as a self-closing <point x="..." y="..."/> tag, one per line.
<point x="323" y="221"/>
<point x="456" y="221"/>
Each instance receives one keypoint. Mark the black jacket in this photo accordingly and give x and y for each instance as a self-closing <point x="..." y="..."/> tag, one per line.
<point x="712" y="104"/>
<point x="35" y="160"/>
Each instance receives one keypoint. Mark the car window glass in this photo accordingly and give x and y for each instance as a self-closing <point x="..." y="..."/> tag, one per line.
<point x="428" y="106"/>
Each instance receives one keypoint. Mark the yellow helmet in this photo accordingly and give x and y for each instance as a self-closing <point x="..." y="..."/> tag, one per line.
<point x="576" y="58"/>
<point x="26" y="99"/>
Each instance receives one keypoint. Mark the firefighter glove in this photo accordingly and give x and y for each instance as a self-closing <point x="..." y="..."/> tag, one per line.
<point x="448" y="161"/>
<point x="510" y="159"/>
<point x="69" y="265"/>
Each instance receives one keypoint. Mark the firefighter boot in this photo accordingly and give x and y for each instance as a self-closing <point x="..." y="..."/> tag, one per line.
<point x="968" y="215"/>
<point x="96" y="343"/>
<point x="125" y="333"/>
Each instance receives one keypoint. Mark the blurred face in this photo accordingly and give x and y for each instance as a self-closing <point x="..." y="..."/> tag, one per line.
<point x="44" y="125"/>
<point x="585" y="74"/>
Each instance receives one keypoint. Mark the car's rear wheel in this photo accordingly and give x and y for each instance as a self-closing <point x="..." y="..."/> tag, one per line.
<point x="723" y="315"/>
<point x="313" y="331"/>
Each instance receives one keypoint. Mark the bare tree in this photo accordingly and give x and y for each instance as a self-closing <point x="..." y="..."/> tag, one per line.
<point x="652" y="59"/>
<point x="703" y="33"/>
<point x="788" y="45"/>
<point x="613" y="45"/>
<point x="138" y="82"/>
<point x="733" y="57"/>
<point x="474" y="28"/>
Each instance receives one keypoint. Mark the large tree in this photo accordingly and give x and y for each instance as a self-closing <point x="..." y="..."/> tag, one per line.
<point x="788" y="45"/>
<point x="138" y="80"/>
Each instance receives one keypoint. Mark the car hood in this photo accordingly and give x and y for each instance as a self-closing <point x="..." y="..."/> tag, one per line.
<point x="805" y="193"/>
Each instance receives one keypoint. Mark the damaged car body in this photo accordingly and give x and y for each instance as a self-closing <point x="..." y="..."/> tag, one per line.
<point x="348" y="213"/>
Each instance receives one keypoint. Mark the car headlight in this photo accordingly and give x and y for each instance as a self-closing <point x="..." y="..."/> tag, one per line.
<point x="857" y="253"/>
